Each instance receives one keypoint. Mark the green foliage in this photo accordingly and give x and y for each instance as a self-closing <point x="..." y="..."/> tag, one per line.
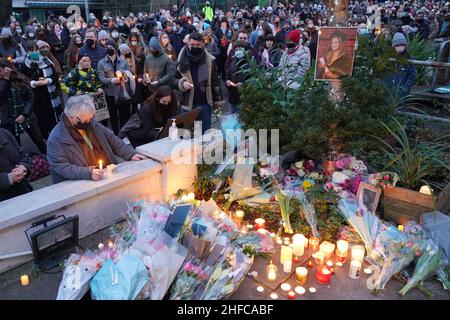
<point x="420" y="49"/>
<point x="414" y="164"/>
<point x="308" y="120"/>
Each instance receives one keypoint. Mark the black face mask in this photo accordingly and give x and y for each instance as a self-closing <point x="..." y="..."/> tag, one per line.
<point x="82" y="125"/>
<point x="128" y="55"/>
<point x="79" y="45"/>
<point x="110" y="52"/>
<point x="90" y="42"/>
<point x="196" y="51"/>
<point x="156" y="53"/>
<point x="291" y="45"/>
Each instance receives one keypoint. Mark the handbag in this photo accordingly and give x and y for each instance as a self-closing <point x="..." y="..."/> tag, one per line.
<point x="39" y="167"/>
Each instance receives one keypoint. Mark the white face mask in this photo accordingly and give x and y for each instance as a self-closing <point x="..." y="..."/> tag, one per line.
<point x="134" y="43"/>
<point x="400" y="49"/>
<point x="115" y="34"/>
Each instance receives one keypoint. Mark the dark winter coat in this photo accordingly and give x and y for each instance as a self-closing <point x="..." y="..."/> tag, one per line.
<point x="402" y="79"/>
<point x="96" y="54"/>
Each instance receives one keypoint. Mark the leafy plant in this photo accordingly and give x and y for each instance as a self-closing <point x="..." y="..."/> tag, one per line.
<point x="421" y="49"/>
<point x="414" y="164"/>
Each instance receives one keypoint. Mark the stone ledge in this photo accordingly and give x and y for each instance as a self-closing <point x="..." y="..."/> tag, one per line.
<point x="37" y="203"/>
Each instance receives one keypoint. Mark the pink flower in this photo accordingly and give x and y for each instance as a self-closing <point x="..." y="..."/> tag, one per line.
<point x="188" y="267"/>
<point x="386" y="177"/>
<point x="343" y="163"/>
<point x="203" y="275"/>
<point x="309" y="166"/>
<point x="409" y="244"/>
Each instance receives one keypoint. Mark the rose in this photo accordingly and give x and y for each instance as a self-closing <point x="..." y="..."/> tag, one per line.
<point x="188" y="267"/>
<point x="299" y="164"/>
<point x="386" y="177"/>
<point x="309" y="166"/>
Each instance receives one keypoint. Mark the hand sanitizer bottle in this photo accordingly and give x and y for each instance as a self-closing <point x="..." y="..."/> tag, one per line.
<point x="173" y="131"/>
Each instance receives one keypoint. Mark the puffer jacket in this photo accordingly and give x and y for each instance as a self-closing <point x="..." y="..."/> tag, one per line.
<point x="294" y="66"/>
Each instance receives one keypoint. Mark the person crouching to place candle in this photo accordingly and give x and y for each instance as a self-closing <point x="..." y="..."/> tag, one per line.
<point x="78" y="141"/>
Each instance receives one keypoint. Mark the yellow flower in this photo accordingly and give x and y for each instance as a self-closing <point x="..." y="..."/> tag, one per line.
<point x="306" y="185"/>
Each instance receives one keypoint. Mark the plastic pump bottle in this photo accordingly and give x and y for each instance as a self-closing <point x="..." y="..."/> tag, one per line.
<point x="173" y="131"/>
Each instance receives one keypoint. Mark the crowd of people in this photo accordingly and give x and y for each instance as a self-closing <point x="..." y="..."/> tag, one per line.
<point x="157" y="65"/>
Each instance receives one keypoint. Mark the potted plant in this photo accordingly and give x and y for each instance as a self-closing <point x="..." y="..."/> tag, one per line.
<point x="414" y="165"/>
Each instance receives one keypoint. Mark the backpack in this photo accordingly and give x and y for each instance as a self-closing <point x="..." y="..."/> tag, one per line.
<point x="39" y="167"/>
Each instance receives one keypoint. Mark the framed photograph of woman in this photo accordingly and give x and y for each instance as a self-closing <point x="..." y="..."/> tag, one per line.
<point x="369" y="196"/>
<point x="335" y="53"/>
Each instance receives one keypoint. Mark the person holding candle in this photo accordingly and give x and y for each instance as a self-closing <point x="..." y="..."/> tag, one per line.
<point x="78" y="142"/>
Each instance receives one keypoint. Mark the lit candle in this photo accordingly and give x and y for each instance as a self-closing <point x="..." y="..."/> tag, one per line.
<point x="368" y="271"/>
<point x="110" y="244"/>
<point x="100" y="246"/>
<point x="319" y="258"/>
<point x="309" y="264"/>
<point x="286" y="254"/>
<point x="291" y="295"/>
<point x="298" y="242"/>
<point x="271" y="272"/>
<point x="260" y="289"/>
<point x="249" y="226"/>
<point x="339" y="264"/>
<point x="100" y="164"/>
<point x="273" y="296"/>
<point x="259" y="223"/>
<point x="24" y="280"/>
<point x="358" y="253"/>
<point x="184" y="198"/>
<point x="272" y="235"/>
<point x="355" y="268"/>
<point x="279" y="242"/>
<point x="312" y="290"/>
<point x="329" y="263"/>
<point x="300" y="290"/>
<point x="331" y="270"/>
<point x="301" y="275"/>
<point x="285" y="286"/>
<point x="191" y="196"/>
<point x="341" y="251"/>
<point x="323" y="275"/>
<point x="401" y="227"/>
<point x="287" y="266"/>
<point x="314" y="244"/>
<point x="118" y="75"/>
<point x="327" y="248"/>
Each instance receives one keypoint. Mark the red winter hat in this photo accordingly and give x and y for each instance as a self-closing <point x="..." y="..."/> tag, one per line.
<point x="294" y="36"/>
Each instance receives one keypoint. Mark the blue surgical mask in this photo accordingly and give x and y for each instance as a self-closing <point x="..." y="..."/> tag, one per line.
<point x="35" y="55"/>
<point x="236" y="26"/>
<point x="239" y="54"/>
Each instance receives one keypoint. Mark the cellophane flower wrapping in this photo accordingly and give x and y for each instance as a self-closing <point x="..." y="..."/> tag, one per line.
<point x="308" y="212"/>
<point x="284" y="199"/>
<point x="427" y="264"/>
<point x="192" y="274"/>
<point x="79" y="271"/>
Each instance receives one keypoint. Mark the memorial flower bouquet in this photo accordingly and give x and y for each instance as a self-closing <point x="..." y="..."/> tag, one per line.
<point x="191" y="275"/>
<point x="383" y="180"/>
<point x="284" y="199"/>
<point x="427" y="264"/>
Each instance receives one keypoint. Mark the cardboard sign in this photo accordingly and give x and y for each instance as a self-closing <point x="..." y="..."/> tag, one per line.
<point x="101" y="108"/>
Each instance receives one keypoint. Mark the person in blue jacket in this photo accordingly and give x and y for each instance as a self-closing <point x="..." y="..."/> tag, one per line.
<point x="404" y="75"/>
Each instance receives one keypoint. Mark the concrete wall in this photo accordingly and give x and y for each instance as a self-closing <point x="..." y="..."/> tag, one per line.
<point x="98" y="204"/>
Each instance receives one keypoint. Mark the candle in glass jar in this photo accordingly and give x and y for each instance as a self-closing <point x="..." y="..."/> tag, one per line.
<point x="358" y="253"/>
<point x="314" y="244"/>
<point x="327" y="248"/>
<point x="319" y="258"/>
<point x="341" y="251"/>
<point x="301" y="275"/>
<point x="287" y="266"/>
<point x="259" y="223"/>
<point x="100" y="164"/>
<point x="271" y="272"/>
<point x="291" y="295"/>
<point x="191" y="196"/>
<point x="323" y="275"/>
<point x="239" y="214"/>
<point x="286" y="254"/>
<point x="25" y="280"/>
<point x="355" y="268"/>
<point x="298" y="245"/>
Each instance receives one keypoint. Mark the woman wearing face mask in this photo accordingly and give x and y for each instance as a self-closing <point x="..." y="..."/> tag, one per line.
<point x="82" y="79"/>
<point x="116" y="36"/>
<point x="295" y="61"/>
<point x="403" y="77"/>
<point x="72" y="52"/>
<point x="54" y="40"/>
<point x="234" y="75"/>
<point x="156" y="110"/>
<point x="224" y="34"/>
<point x="271" y="54"/>
<point x="16" y="105"/>
<point x="46" y="89"/>
<point x="337" y="63"/>
<point x="168" y="48"/>
<point x="136" y="45"/>
<point x="78" y="142"/>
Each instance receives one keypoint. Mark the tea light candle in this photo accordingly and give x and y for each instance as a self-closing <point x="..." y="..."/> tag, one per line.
<point x="291" y="295"/>
<point x="319" y="258"/>
<point x="323" y="275"/>
<point x="279" y="242"/>
<point x="100" y="164"/>
<point x="259" y="223"/>
<point x="355" y="268"/>
<point x="312" y="290"/>
<point x="301" y="275"/>
<point x="300" y="290"/>
<point x="314" y="244"/>
<point x="273" y="296"/>
<point x="358" y="253"/>
<point x="286" y="254"/>
<point x="341" y="250"/>
<point x="329" y="263"/>
<point x="260" y="289"/>
<point x="271" y="272"/>
<point x="339" y="264"/>
<point x="368" y="270"/>
<point x="285" y="286"/>
<point x="100" y="246"/>
<point x="272" y="235"/>
<point x="287" y="266"/>
<point x="298" y="242"/>
<point x="25" y="280"/>
<point x="327" y="248"/>
<point x="110" y="244"/>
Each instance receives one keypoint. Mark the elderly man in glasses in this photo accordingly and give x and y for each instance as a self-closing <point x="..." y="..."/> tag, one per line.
<point x="78" y="142"/>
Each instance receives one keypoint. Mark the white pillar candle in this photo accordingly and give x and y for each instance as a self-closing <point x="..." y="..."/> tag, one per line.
<point x="327" y="248"/>
<point x="358" y="253"/>
<point x="286" y="254"/>
<point x="298" y="242"/>
<point x="319" y="258"/>
<point x="355" y="268"/>
<point x="287" y="266"/>
<point x="271" y="272"/>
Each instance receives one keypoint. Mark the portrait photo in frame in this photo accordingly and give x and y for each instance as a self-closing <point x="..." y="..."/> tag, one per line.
<point x="369" y="196"/>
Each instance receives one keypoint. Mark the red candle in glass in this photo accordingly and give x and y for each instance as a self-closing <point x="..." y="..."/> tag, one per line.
<point x="340" y="258"/>
<point x="323" y="275"/>
<point x="291" y="295"/>
<point x="259" y="223"/>
<point x="309" y="264"/>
